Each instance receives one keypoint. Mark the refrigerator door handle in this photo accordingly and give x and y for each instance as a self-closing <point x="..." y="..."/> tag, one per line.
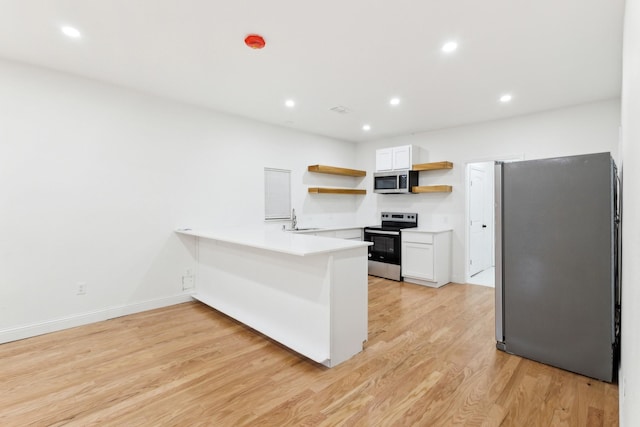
<point x="499" y="286"/>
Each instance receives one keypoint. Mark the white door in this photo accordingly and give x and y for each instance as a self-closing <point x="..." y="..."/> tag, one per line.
<point x="479" y="221"/>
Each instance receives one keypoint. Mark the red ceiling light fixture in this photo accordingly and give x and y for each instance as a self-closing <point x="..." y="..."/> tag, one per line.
<point x="254" y="41"/>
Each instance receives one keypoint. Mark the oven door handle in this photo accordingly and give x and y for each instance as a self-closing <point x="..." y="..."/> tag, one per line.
<point x="390" y="233"/>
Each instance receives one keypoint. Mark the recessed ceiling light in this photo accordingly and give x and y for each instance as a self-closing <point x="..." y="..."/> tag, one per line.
<point x="366" y="128"/>
<point x="506" y="98"/>
<point x="394" y="101"/>
<point x="449" y="47"/>
<point x="72" y="32"/>
<point x="290" y="103"/>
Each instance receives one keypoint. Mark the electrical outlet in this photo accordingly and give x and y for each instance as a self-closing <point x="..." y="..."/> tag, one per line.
<point x="188" y="279"/>
<point x="187" y="282"/>
<point x="82" y="288"/>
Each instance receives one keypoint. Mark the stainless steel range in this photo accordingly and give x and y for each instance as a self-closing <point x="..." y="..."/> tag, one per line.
<point x="384" y="254"/>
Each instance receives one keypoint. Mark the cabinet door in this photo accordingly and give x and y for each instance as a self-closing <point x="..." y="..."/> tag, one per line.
<point x="384" y="159"/>
<point x="417" y="261"/>
<point x="402" y="157"/>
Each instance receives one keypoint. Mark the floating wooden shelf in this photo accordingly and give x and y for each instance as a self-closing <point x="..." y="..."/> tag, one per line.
<point x="324" y="190"/>
<point x="432" y="166"/>
<point x="432" y="189"/>
<point x="335" y="170"/>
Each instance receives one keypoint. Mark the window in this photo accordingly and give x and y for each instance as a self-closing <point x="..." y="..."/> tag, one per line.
<point x="277" y="193"/>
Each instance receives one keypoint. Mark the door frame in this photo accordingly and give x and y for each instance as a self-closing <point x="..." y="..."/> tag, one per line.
<point x="467" y="216"/>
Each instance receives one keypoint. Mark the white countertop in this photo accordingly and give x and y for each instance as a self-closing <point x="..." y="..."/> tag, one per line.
<point x="276" y="240"/>
<point x="428" y="229"/>
<point x="320" y="229"/>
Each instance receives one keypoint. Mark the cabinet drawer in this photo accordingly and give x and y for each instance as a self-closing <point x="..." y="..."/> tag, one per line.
<point x="411" y="236"/>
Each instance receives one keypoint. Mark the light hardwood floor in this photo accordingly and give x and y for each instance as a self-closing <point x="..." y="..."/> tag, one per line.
<point x="430" y="361"/>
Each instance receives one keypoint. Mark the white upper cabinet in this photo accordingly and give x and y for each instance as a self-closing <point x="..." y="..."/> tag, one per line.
<point x="384" y="159"/>
<point x="402" y="157"/>
<point x="397" y="158"/>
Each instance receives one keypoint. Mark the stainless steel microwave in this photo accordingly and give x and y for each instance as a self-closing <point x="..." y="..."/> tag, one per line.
<point x="400" y="181"/>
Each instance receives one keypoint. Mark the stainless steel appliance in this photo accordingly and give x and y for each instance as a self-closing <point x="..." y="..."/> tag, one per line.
<point x="557" y="290"/>
<point x="400" y="181"/>
<point x="384" y="254"/>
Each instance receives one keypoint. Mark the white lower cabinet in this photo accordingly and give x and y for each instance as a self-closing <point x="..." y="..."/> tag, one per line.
<point x="426" y="257"/>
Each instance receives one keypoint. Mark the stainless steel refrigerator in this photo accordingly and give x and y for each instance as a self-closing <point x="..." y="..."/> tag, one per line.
<point x="557" y="292"/>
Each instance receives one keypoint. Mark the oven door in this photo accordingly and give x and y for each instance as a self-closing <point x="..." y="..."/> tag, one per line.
<point x="386" y="246"/>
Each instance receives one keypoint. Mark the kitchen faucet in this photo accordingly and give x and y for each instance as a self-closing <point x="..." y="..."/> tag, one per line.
<point x="294" y="221"/>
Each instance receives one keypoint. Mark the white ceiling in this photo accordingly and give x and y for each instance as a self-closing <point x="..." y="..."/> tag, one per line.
<point x="352" y="53"/>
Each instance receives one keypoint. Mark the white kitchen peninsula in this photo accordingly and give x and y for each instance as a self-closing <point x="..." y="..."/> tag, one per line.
<point x="306" y="292"/>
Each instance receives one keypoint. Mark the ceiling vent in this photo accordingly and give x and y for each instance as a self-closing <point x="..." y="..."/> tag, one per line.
<point x="340" y="109"/>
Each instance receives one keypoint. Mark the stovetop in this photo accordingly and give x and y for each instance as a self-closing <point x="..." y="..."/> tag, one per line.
<point x="395" y="221"/>
<point x="390" y="227"/>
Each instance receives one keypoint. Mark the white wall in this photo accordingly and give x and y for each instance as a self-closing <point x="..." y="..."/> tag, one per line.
<point x="582" y="129"/>
<point x="95" y="178"/>
<point x="630" y="359"/>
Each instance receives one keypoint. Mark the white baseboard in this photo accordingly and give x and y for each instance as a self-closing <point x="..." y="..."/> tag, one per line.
<point x="32" y="330"/>
<point x="481" y="284"/>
